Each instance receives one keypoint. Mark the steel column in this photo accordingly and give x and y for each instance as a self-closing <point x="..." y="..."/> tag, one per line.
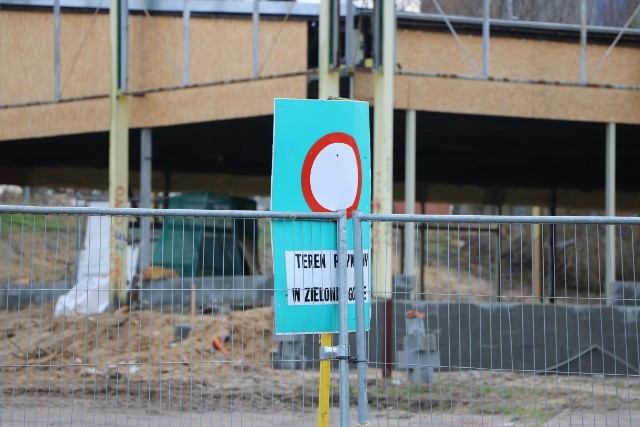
<point x="486" y="17"/>
<point x="536" y="256"/>
<point x="145" y="195"/>
<point x="118" y="153"/>
<point x="361" y="350"/>
<point x="56" y="49"/>
<point x="583" y="41"/>
<point x="186" y="45"/>
<point x="328" y="85"/>
<point x="383" y="151"/>
<point x="610" y="209"/>
<point x="255" y="33"/>
<point x="329" y="79"/>
<point x="349" y="47"/>
<point x="343" y="329"/>
<point x="123" y="45"/>
<point x="410" y="190"/>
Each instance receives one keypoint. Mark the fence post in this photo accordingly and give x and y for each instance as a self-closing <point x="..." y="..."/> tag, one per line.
<point x="343" y="330"/>
<point x="361" y="351"/>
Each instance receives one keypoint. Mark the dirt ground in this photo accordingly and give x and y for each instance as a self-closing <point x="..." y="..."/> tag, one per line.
<point x="133" y="360"/>
<point x="36" y="257"/>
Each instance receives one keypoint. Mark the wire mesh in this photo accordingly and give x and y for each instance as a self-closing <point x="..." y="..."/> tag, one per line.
<point x="191" y="343"/>
<point x="508" y="324"/>
<point x="502" y="323"/>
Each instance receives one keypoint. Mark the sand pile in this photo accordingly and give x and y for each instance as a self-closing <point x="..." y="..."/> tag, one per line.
<point x="137" y="356"/>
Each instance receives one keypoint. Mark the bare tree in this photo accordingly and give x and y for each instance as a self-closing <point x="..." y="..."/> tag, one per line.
<point x="612" y="13"/>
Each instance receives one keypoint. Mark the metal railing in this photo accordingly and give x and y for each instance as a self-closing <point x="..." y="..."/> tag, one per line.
<point x="486" y="330"/>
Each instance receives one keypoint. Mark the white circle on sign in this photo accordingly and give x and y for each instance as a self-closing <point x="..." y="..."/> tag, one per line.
<point x="332" y="174"/>
<point x="334" y="177"/>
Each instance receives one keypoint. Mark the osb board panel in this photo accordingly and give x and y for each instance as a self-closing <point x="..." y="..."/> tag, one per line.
<point x="54" y="119"/>
<point x="85" y="63"/>
<point x="621" y="67"/>
<point x="219" y="102"/>
<point x="228" y="101"/>
<point x="436" y="52"/>
<point x="520" y="58"/>
<point x="283" y="47"/>
<point x="508" y="99"/>
<point x="26" y="56"/>
<point x="540" y="59"/>
<point x="155" y="51"/>
<point x="221" y="48"/>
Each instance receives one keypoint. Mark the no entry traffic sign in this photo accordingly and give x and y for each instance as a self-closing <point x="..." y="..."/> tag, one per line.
<point x="332" y="174"/>
<point x="321" y="163"/>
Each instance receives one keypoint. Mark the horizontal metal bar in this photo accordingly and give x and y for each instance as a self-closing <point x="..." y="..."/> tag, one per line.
<point x="313" y="9"/>
<point x="325" y="216"/>
<point x="506" y="24"/>
<point x="169" y="6"/>
<point x="143" y="92"/>
<point x="54" y="101"/>
<point x="313" y="73"/>
<point x="517" y="80"/>
<point x="50" y="210"/>
<point x="497" y="219"/>
<point x="313" y="76"/>
<point x="232" y="7"/>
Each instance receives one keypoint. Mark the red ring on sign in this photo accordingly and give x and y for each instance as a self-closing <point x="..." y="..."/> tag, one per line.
<point x="316" y="148"/>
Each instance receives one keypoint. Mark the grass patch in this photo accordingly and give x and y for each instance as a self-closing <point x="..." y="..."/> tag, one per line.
<point x="537" y="416"/>
<point x="507" y="392"/>
<point x="414" y="397"/>
<point x="404" y="392"/>
<point x="32" y="223"/>
<point x="515" y="402"/>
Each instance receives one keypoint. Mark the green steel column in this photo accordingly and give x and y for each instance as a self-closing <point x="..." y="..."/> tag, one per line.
<point x="118" y="158"/>
<point x="328" y="74"/>
<point x="383" y="153"/>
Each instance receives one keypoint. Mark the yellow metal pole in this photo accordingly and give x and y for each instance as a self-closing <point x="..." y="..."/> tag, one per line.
<point x="325" y="385"/>
<point x="328" y="85"/>
<point x="118" y="162"/>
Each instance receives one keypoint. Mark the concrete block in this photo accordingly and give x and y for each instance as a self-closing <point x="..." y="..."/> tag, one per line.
<point x="234" y="291"/>
<point x="411" y="359"/>
<point x="289" y="354"/>
<point x="14" y="297"/>
<point x="415" y="326"/>
<point x="403" y="285"/>
<point x="426" y="342"/>
<point x="421" y="375"/>
<point x="626" y="293"/>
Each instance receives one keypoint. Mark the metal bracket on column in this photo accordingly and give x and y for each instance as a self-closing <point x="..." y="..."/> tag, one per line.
<point x="334" y="352"/>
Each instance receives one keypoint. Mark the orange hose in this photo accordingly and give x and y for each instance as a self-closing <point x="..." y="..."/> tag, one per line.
<point x="218" y="346"/>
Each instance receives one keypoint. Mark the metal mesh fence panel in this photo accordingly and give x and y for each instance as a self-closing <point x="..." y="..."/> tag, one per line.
<point x="190" y="342"/>
<point x="504" y="322"/>
<point x="507" y="322"/>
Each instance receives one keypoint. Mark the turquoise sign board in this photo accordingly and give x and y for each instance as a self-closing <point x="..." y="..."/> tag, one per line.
<point x="321" y="163"/>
